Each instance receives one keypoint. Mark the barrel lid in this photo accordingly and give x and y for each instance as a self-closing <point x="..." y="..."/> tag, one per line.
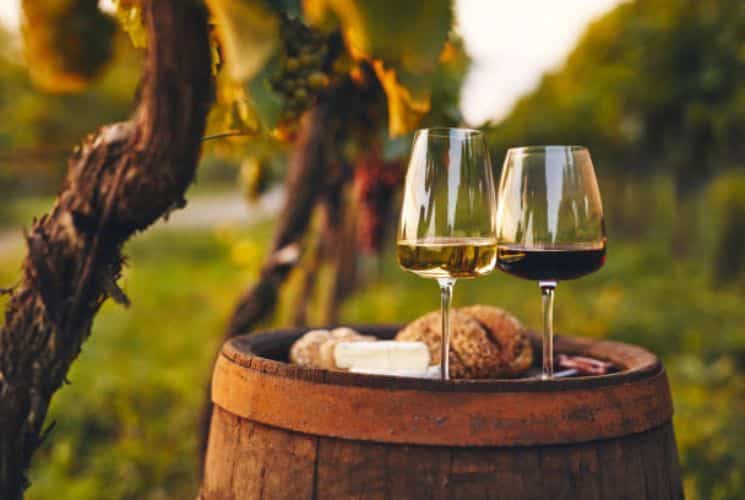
<point x="252" y="381"/>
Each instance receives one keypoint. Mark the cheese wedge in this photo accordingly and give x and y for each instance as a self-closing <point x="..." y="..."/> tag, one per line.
<point x="386" y="355"/>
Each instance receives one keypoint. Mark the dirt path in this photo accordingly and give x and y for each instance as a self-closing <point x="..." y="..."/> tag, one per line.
<point x="202" y="212"/>
<point x="10" y="241"/>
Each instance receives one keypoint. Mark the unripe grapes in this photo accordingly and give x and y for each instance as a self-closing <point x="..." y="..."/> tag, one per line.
<point x="292" y="64"/>
<point x="317" y="80"/>
<point x="308" y="59"/>
<point x="301" y="74"/>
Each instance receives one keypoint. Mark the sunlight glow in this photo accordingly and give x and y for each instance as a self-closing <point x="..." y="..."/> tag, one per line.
<point x="512" y="44"/>
<point x="10" y="14"/>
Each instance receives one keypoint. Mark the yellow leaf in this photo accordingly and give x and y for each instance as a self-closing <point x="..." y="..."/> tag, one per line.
<point x="234" y="111"/>
<point x="449" y="54"/>
<point x="249" y="33"/>
<point x="403" y="39"/>
<point x="405" y="34"/>
<point x="67" y="44"/>
<point x="241" y="113"/>
<point x="405" y="108"/>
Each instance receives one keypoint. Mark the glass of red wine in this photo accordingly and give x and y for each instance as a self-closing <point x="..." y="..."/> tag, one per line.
<point x="550" y="223"/>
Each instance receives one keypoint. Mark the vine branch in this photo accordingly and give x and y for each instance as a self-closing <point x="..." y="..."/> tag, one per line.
<point x="120" y="181"/>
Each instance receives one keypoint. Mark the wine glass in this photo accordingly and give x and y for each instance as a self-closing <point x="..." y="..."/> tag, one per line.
<point x="448" y="218"/>
<point x="550" y="223"/>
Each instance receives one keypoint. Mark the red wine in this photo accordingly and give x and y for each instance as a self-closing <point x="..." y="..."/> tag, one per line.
<point x="555" y="263"/>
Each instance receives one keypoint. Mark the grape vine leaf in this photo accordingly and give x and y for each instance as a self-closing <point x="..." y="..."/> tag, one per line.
<point x="407" y="103"/>
<point x="403" y="39"/>
<point x="242" y="114"/>
<point x="129" y="15"/>
<point x="249" y="33"/>
<point x="266" y="102"/>
<point x="67" y="44"/>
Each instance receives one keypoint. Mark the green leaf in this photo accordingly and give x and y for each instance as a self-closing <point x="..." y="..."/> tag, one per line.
<point x="403" y="39"/>
<point x="267" y="103"/>
<point x="408" y="98"/>
<point x="405" y="34"/>
<point x="249" y="33"/>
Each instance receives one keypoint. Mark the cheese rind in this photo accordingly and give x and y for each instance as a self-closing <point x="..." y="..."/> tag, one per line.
<point x="383" y="355"/>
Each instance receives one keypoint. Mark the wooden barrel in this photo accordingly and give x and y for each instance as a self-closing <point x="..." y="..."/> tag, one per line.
<point x="284" y="431"/>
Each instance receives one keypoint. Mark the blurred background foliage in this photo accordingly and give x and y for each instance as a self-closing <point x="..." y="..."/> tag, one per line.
<point x="655" y="89"/>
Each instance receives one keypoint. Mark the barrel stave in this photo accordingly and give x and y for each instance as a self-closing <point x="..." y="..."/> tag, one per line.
<point x="283" y="431"/>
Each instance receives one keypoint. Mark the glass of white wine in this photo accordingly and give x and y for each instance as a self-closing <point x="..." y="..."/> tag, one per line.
<point x="448" y="217"/>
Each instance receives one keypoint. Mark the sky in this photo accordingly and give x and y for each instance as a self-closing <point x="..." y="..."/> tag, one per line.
<point x="512" y="43"/>
<point x="9" y="13"/>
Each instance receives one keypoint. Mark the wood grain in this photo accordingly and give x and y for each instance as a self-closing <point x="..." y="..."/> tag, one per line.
<point x="248" y="460"/>
<point x="453" y="413"/>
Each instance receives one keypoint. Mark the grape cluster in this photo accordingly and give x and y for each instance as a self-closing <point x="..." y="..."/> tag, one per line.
<point x="302" y="71"/>
<point x="375" y="184"/>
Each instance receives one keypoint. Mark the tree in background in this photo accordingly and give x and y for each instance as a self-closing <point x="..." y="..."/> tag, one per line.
<point x="119" y="181"/>
<point x="653" y="86"/>
<point x="655" y="89"/>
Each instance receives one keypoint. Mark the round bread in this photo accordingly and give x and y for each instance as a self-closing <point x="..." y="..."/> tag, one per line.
<point x="472" y="354"/>
<point x="316" y="347"/>
<point x="305" y="350"/>
<point x="486" y="342"/>
<point x="508" y="333"/>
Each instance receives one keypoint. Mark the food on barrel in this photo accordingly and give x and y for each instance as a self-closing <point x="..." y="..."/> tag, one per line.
<point x="305" y="350"/>
<point x="316" y="347"/>
<point x="515" y="350"/>
<point x="383" y="357"/>
<point x="427" y="329"/>
<point x="585" y="365"/>
<point x="486" y="342"/>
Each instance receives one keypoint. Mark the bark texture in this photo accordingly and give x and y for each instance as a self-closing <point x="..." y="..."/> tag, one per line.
<point x="248" y="459"/>
<point x="119" y="181"/>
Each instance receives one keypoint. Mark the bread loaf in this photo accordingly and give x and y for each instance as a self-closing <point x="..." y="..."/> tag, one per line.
<point x="486" y="342"/>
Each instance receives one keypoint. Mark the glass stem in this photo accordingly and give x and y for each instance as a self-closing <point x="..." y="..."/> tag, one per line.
<point x="446" y="297"/>
<point x="547" y="292"/>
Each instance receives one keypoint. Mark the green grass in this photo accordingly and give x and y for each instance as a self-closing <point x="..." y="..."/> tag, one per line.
<point x="21" y="212"/>
<point x="127" y="423"/>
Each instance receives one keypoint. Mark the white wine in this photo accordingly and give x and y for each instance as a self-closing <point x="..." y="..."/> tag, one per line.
<point x="448" y="257"/>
